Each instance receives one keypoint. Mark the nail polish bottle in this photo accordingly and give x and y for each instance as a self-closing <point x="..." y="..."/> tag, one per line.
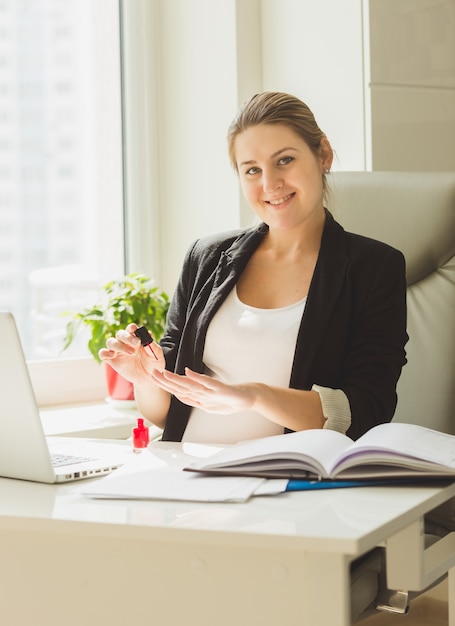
<point x="140" y="436"/>
<point x="146" y="339"/>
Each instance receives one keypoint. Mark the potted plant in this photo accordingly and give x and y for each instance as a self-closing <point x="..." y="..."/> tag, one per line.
<point x="132" y="298"/>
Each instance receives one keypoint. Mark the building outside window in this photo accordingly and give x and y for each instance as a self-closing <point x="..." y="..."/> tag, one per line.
<point x="61" y="192"/>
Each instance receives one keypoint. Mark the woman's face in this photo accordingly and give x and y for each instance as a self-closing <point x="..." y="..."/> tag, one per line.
<point x="281" y="178"/>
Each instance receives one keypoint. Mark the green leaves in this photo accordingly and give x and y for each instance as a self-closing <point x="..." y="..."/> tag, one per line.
<point x="133" y="298"/>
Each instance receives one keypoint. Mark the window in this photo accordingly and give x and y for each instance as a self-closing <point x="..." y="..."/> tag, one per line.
<point x="61" y="192"/>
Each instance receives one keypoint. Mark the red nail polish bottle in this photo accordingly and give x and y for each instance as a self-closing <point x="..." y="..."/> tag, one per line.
<point x="140" y="436"/>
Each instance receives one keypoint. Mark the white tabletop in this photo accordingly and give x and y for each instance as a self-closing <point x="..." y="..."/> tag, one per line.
<point x="348" y="521"/>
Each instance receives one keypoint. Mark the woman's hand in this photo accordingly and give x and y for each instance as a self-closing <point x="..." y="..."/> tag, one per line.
<point x="128" y="357"/>
<point x="295" y="409"/>
<point x="209" y="394"/>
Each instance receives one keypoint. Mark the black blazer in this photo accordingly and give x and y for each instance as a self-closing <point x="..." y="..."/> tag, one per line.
<point x="353" y="330"/>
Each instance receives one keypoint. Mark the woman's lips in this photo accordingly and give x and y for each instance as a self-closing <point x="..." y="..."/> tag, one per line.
<point x="279" y="201"/>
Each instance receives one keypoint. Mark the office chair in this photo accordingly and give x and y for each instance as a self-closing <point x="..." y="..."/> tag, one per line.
<point x="414" y="212"/>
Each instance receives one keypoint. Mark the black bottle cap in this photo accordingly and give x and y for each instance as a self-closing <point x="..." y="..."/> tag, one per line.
<point x="143" y="335"/>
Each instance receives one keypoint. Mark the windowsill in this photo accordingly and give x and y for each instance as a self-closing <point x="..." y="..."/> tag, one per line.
<point x="67" y="381"/>
<point x="92" y="420"/>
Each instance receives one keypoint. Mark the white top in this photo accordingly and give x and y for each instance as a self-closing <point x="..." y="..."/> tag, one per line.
<point x="245" y="344"/>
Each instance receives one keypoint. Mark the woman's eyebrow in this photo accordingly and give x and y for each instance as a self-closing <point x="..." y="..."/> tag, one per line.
<point x="278" y="152"/>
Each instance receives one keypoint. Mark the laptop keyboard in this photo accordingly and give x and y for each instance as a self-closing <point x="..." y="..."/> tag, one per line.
<point x="59" y="460"/>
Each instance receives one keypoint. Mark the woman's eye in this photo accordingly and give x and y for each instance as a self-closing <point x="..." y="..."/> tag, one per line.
<point x="285" y="160"/>
<point x="252" y="171"/>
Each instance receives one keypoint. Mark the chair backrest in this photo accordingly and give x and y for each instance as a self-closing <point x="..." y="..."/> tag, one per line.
<point x="414" y="212"/>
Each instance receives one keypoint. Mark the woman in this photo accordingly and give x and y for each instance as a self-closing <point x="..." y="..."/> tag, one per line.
<point x="290" y="325"/>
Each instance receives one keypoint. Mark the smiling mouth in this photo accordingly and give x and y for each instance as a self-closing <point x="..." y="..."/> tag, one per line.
<point x="280" y="201"/>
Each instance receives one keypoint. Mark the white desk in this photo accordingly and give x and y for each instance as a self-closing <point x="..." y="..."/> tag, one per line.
<point x="277" y="560"/>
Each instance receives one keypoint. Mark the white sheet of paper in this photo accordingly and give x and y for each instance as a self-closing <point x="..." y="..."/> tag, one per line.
<point x="156" y="473"/>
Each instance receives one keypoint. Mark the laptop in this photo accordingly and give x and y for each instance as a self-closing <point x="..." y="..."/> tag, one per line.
<point x="25" y="452"/>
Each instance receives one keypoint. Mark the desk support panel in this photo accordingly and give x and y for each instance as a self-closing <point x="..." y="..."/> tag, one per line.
<point x="142" y="580"/>
<point x="410" y="566"/>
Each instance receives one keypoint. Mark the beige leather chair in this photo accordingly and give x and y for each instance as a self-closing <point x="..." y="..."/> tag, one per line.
<point x="414" y="212"/>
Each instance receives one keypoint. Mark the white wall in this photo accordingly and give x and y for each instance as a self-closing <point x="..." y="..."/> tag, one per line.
<point x="413" y="84"/>
<point x="198" y="96"/>
<point x="181" y="82"/>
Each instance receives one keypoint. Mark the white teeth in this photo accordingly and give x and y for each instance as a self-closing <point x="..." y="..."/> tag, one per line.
<point x="280" y="201"/>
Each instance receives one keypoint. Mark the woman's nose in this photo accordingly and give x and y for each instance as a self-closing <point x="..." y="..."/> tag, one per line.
<point x="271" y="182"/>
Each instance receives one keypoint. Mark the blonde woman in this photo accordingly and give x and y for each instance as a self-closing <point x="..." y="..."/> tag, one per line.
<point x="289" y="325"/>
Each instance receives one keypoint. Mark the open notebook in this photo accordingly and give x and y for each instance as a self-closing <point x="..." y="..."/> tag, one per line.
<point x="25" y="452"/>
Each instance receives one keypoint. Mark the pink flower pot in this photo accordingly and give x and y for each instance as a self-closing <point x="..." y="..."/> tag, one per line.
<point x="118" y="388"/>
